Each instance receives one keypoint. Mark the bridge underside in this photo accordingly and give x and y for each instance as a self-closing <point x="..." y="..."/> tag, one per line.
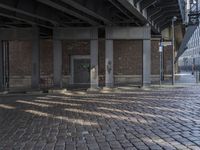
<point x="85" y="13"/>
<point x="51" y="39"/>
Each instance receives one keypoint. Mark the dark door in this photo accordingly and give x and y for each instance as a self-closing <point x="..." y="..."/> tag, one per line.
<point x="81" y="71"/>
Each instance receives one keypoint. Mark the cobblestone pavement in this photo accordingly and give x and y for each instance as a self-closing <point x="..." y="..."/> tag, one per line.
<point x="141" y="119"/>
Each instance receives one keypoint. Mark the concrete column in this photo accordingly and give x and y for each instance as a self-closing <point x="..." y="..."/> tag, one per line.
<point x="1" y="66"/>
<point x="35" y="80"/>
<point x="146" y="62"/>
<point x="109" y="64"/>
<point x="94" y="78"/>
<point x="57" y="62"/>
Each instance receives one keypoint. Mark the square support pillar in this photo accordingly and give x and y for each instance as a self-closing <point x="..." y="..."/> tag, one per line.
<point x="109" y="64"/>
<point x="146" y="63"/>
<point x="1" y="65"/>
<point x="35" y="80"/>
<point x="94" y="78"/>
<point x="57" y="62"/>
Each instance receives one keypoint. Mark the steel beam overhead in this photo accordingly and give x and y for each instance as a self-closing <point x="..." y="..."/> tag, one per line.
<point x="68" y="11"/>
<point x="24" y="20"/>
<point x="48" y="14"/>
<point x="133" y="10"/>
<point x="90" y="11"/>
<point x="27" y="13"/>
<point x="147" y="4"/>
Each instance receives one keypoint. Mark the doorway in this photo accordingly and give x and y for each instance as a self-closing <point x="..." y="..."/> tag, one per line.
<point x="80" y="70"/>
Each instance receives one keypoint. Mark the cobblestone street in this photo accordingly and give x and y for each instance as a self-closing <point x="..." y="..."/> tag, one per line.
<point x="140" y="119"/>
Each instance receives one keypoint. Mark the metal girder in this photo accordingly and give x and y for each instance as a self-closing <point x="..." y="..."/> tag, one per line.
<point x="161" y="11"/>
<point x="37" y="8"/>
<point x="1" y="66"/>
<point x="113" y="2"/>
<point x="130" y="9"/>
<point x="10" y="8"/>
<point x="167" y="20"/>
<point x="87" y="33"/>
<point x="168" y="16"/>
<point x="187" y="36"/>
<point x="182" y="8"/>
<point x="137" y="1"/>
<point x="143" y="20"/>
<point x="68" y="11"/>
<point x="164" y="14"/>
<point x="124" y="11"/>
<point x="146" y="4"/>
<point x="59" y="13"/>
<point x="24" y="20"/>
<point x="133" y="10"/>
<point x="117" y="33"/>
<point x="155" y="10"/>
<point x="16" y="34"/>
<point x="167" y="23"/>
<point x="90" y="11"/>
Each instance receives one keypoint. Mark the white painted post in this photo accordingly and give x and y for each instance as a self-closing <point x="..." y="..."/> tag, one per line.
<point x="109" y="64"/>
<point x="94" y="78"/>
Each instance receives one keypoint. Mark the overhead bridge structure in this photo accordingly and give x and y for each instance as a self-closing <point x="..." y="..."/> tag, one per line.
<point x="39" y="25"/>
<point x="192" y="22"/>
<point x="83" y="13"/>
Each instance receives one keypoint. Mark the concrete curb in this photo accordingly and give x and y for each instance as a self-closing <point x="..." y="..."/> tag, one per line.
<point x="57" y="91"/>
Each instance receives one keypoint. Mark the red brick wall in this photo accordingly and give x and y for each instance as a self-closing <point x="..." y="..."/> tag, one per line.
<point x="167" y="59"/>
<point x="101" y="61"/>
<point x="102" y="57"/>
<point x="21" y="59"/>
<point x="20" y="53"/>
<point x="155" y="57"/>
<point x="46" y="57"/>
<point x="128" y="57"/>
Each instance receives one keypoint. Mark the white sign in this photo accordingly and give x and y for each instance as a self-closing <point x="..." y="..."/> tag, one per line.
<point x="160" y="48"/>
<point x="167" y="43"/>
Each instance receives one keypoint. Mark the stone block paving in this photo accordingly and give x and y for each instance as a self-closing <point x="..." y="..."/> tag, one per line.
<point x="158" y="119"/>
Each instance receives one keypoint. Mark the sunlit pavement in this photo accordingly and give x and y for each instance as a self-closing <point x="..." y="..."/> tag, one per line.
<point x="186" y="77"/>
<point x="166" y="118"/>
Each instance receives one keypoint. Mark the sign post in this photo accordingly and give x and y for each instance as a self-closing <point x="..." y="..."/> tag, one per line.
<point x="160" y="50"/>
<point x="161" y="47"/>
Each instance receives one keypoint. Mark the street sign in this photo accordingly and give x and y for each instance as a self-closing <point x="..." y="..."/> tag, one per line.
<point x="166" y="43"/>
<point x="160" y="48"/>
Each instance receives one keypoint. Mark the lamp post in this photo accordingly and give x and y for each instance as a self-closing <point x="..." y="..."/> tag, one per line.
<point x="173" y="49"/>
<point x="161" y="51"/>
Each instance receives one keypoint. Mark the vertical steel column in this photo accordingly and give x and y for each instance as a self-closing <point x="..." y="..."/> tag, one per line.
<point x="57" y="61"/>
<point x="1" y="65"/>
<point x="94" y="78"/>
<point x="109" y="64"/>
<point x="35" y="80"/>
<point x="173" y="49"/>
<point x="146" y="62"/>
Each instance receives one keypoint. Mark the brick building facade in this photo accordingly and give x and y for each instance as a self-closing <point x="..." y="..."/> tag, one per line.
<point x="127" y="61"/>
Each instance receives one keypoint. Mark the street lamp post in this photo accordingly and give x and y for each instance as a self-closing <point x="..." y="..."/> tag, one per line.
<point x="161" y="51"/>
<point x="173" y="49"/>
